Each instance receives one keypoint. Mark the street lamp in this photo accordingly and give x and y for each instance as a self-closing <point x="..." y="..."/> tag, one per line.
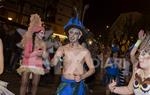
<point x="107" y="26"/>
<point x="9" y="18"/>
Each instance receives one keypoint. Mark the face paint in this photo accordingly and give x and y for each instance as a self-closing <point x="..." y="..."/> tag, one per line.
<point x="41" y="34"/>
<point x="74" y="34"/>
<point x="144" y="59"/>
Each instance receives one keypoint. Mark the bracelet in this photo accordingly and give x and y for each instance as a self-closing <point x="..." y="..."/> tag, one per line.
<point x="137" y="43"/>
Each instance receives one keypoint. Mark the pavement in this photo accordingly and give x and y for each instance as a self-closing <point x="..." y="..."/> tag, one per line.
<point x="48" y="84"/>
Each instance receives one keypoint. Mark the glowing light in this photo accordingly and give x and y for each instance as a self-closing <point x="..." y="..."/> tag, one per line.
<point x="88" y="30"/>
<point x="107" y="26"/>
<point x="9" y="18"/>
<point x="61" y="36"/>
<point x="90" y="42"/>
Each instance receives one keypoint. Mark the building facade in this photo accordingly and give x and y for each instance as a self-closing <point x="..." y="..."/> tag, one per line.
<point x="55" y="13"/>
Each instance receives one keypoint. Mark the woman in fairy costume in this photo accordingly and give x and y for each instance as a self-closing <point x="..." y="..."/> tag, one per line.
<point x="33" y="55"/>
<point x="140" y="81"/>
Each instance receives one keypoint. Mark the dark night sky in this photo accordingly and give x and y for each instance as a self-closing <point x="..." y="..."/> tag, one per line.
<point x="105" y="12"/>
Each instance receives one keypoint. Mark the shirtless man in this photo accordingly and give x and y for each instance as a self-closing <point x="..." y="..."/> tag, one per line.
<point x="74" y="56"/>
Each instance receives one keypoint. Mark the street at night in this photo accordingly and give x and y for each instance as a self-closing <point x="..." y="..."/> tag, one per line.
<point x="47" y="85"/>
<point x="74" y="47"/>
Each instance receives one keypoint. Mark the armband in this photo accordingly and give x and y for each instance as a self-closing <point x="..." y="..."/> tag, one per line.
<point x="137" y="43"/>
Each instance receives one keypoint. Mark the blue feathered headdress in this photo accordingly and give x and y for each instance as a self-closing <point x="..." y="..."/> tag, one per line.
<point x="74" y="22"/>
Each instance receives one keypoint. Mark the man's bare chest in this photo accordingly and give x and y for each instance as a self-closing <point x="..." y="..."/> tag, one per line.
<point x="76" y="54"/>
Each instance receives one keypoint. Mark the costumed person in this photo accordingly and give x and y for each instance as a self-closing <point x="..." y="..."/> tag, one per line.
<point x="34" y="54"/>
<point x="3" y="85"/>
<point x="74" y="56"/>
<point x="112" y="66"/>
<point x="140" y="81"/>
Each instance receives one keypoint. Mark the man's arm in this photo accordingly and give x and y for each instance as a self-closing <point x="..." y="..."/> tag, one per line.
<point x="141" y="37"/>
<point x="133" y="52"/>
<point x="123" y="90"/>
<point x="89" y="62"/>
<point x="59" y="53"/>
<point x="1" y="57"/>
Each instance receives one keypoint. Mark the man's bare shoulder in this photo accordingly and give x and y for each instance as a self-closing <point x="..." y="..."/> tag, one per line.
<point x="84" y="49"/>
<point x="64" y="47"/>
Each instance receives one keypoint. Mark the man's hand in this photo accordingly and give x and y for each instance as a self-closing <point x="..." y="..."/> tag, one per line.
<point x="112" y="86"/>
<point x="141" y="35"/>
<point x="77" y="78"/>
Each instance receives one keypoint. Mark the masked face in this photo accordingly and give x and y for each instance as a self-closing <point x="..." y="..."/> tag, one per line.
<point x="40" y="34"/>
<point x="74" y="34"/>
<point x="144" y="59"/>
